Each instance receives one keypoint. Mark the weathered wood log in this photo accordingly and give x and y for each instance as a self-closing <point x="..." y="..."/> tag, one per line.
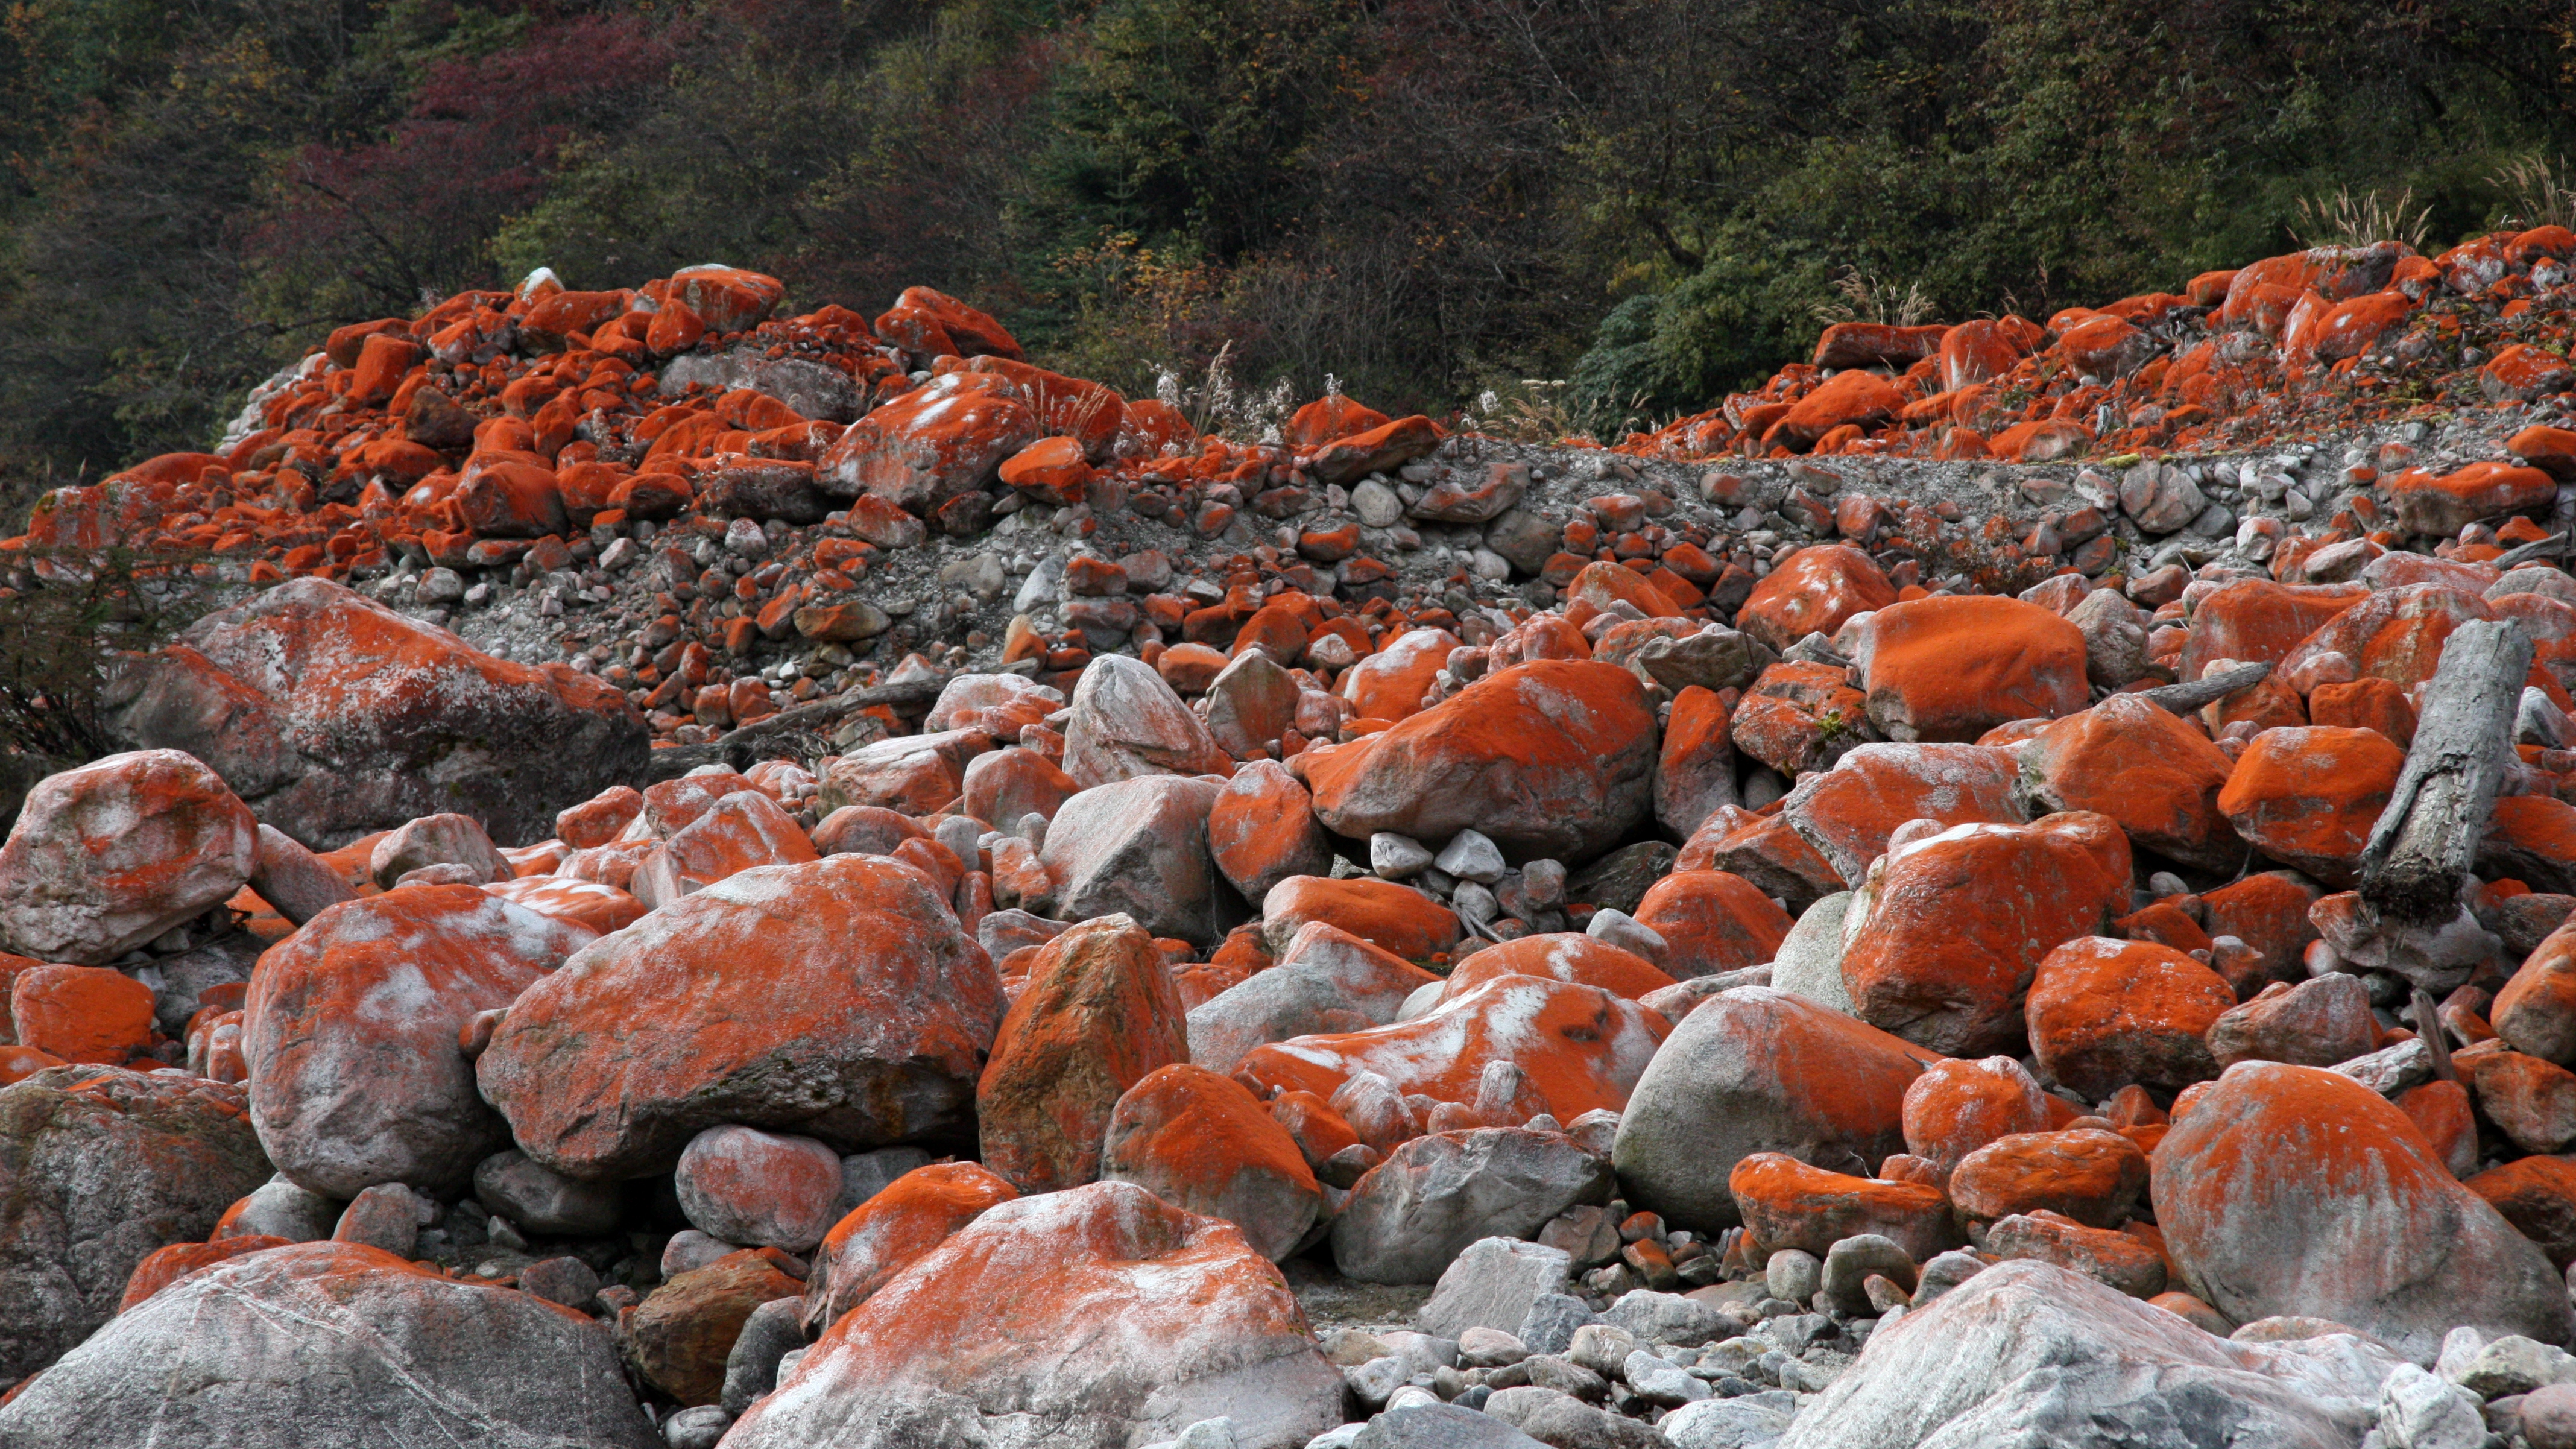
<point x="781" y="735"/>
<point x="2427" y="838"/>
<point x="2184" y="698"/>
<point x="2553" y="546"/>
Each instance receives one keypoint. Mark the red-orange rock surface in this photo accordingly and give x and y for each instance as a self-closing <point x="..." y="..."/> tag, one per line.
<point x="1554" y="758"/>
<point x="1956" y="925"/>
<point x="838" y="1000"/>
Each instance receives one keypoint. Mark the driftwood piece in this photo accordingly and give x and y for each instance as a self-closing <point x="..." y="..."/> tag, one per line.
<point x="2551" y="547"/>
<point x="2184" y="698"/>
<point x="785" y="734"/>
<point x="2427" y="838"/>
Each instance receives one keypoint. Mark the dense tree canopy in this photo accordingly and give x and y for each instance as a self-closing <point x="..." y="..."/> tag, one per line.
<point x="1428" y="198"/>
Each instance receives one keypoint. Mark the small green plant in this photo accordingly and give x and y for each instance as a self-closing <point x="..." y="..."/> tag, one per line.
<point x="2345" y="220"/>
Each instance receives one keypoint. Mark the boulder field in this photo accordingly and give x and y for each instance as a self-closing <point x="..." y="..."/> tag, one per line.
<point x="716" y="877"/>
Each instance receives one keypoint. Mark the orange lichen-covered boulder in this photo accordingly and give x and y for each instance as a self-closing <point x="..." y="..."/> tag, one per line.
<point x="1958" y="1106"/>
<point x="740" y="831"/>
<point x="1813" y="593"/>
<point x="101" y="1166"/>
<point x="1788" y="1204"/>
<point x="1695" y="772"/>
<point x="2086" y="1173"/>
<point x="1982" y="350"/>
<point x="2104" y="1014"/>
<point x="81" y="1013"/>
<point x="999" y="787"/>
<point x="929" y="323"/>
<point x="2308" y="797"/>
<point x="1952" y="668"/>
<point x="1580" y="1047"/>
<point x="105" y="857"/>
<point x="2422" y="503"/>
<point x="1601" y="584"/>
<point x="1765" y="850"/>
<point x="1262" y="830"/>
<point x="1330" y="417"/>
<point x="1758" y="1070"/>
<point x="2538" y="1196"/>
<point x="2143" y="767"/>
<point x="1856" y="396"/>
<point x="1383" y="448"/>
<point x="759" y="1189"/>
<point x="347" y="1344"/>
<point x="728" y="299"/>
<point x="943" y="440"/>
<point x="2256" y="621"/>
<point x="1051" y="470"/>
<point x="596" y="908"/>
<point x="1559" y="956"/>
<point x="1553" y="758"/>
<point x="2293" y="1190"/>
<point x="165" y="1266"/>
<point x="1848" y="812"/>
<point x="678" y="1338"/>
<point x="1201" y="1143"/>
<point x="1101" y="1317"/>
<point x="1089" y="413"/>
<point x="881" y="1237"/>
<point x="1952" y="927"/>
<point x="599" y="819"/>
<point x="2269" y="912"/>
<point x="332" y="716"/>
<point x="1394" y="918"/>
<point x="1098" y="1014"/>
<point x="2536" y="1010"/>
<point x="838" y="999"/>
<point x="2532" y="839"/>
<point x="1390" y="683"/>
<point x="350" y="1034"/>
<point x="1712" y="921"/>
<point x="1798" y="717"/>
<point x="512" y="500"/>
<point x="2396" y="634"/>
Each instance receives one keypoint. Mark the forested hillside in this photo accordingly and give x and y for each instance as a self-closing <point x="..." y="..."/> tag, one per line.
<point x="1429" y="199"/>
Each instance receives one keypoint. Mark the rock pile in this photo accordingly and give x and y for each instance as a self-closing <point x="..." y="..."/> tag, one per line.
<point x="921" y="902"/>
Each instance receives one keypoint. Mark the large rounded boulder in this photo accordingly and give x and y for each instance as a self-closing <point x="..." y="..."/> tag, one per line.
<point x="104" y="858"/>
<point x="1758" y="1070"/>
<point x="333" y="1343"/>
<point x="2295" y="1190"/>
<point x="1554" y="758"/>
<point x="839" y="999"/>
<point x="100" y="1167"/>
<point x="1095" y="1318"/>
<point x="333" y="716"/>
<point x="350" y="1034"/>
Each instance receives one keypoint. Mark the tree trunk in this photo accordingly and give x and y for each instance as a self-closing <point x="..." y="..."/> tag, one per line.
<point x="2428" y="836"/>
